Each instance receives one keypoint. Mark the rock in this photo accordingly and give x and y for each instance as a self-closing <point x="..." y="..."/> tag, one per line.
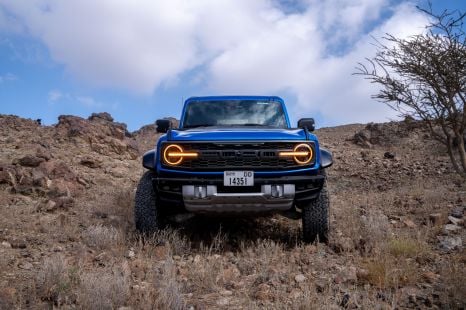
<point x="362" y="274"/>
<point x="131" y="254"/>
<point x="226" y="293"/>
<point x="300" y="278"/>
<point x="409" y="223"/>
<point x="389" y="155"/>
<point x="436" y="218"/>
<point x="56" y="169"/>
<point x="30" y="161"/>
<point x="50" y="206"/>
<point x="455" y="220"/>
<point x="5" y="177"/>
<point x="101" y="116"/>
<point x="39" y="178"/>
<point x="26" y="266"/>
<point x="346" y="274"/>
<point x="6" y="244"/>
<point x="450" y="243"/>
<point x="263" y="292"/>
<point x="457" y="212"/>
<point x="224" y="301"/>
<point x="452" y="228"/>
<point x="91" y="162"/>
<point x="430" y="277"/>
<point x="18" y="244"/>
<point x="64" y="202"/>
<point x="43" y="153"/>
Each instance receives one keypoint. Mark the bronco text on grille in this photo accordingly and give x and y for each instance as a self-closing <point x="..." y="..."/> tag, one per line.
<point x="260" y="156"/>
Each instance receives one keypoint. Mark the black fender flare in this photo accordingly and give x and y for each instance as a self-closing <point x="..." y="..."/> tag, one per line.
<point x="148" y="159"/>
<point x="326" y="158"/>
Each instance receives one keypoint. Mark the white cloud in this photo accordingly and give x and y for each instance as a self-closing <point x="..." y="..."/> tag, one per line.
<point x="54" y="95"/>
<point x="7" y="77"/>
<point x="243" y="47"/>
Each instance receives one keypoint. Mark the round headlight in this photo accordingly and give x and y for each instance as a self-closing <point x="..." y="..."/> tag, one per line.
<point x="174" y="154"/>
<point x="302" y="154"/>
<point x="170" y="152"/>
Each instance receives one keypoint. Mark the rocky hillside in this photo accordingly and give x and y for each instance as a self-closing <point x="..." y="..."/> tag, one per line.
<point x="67" y="238"/>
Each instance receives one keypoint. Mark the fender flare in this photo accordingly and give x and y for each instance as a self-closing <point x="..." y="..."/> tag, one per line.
<point x="148" y="159"/>
<point x="326" y="158"/>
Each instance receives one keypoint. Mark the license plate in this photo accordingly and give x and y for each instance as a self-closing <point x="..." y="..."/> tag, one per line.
<point x="238" y="178"/>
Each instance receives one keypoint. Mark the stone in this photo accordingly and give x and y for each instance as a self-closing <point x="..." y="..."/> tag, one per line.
<point x="26" y="266"/>
<point x="224" y="301"/>
<point x="18" y="244"/>
<point x="5" y="177"/>
<point x="452" y="228"/>
<point x="263" y="292"/>
<point x="30" y="161"/>
<point x="389" y="155"/>
<point x="435" y="218"/>
<point x="101" y="116"/>
<point x="457" y="212"/>
<point x="6" y="244"/>
<point x="44" y="153"/>
<point x="300" y="278"/>
<point x="90" y="162"/>
<point x="455" y="220"/>
<point x="131" y="254"/>
<point x="50" y="206"/>
<point x="226" y="293"/>
<point x="409" y="223"/>
<point x="430" y="277"/>
<point x="450" y="243"/>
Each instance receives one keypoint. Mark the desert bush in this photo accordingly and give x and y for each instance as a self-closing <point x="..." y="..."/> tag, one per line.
<point x="168" y="290"/>
<point x="103" y="289"/>
<point x="53" y="281"/>
<point x="177" y="244"/>
<point x="103" y="237"/>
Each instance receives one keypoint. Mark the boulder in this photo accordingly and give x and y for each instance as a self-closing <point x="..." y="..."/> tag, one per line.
<point x="101" y="116"/>
<point x="30" y="161"/>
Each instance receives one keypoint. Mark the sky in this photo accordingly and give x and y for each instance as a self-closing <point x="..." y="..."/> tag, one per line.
<point x="139" y="60"/>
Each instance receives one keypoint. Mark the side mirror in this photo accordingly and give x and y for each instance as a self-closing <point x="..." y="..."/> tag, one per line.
<point x="307" y="122"/>
<point x="163" y="125"/>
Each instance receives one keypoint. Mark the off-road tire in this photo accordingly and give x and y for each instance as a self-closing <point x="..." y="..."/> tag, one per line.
<point x="315" y="216"/>
<point x="146" y="215"/>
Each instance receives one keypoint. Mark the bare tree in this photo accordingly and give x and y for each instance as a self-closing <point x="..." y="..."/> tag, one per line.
<point x="424" y="76"/>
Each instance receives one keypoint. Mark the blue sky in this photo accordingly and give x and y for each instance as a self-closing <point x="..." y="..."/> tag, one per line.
<point x="139" y="61"/>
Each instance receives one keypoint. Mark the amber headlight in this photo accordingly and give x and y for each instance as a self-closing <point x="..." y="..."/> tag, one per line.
<point x="302" y="154"/>
<point x="173" y="154"/>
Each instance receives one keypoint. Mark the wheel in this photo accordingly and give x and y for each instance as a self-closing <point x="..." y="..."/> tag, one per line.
<point x="315" y="216"/>
<point x="146" y="215"/>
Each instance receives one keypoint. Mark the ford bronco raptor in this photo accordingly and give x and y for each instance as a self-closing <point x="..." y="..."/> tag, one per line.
<point x="235" y="155"/>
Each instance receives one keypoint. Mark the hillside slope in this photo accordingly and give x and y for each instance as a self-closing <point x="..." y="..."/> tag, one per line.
<point x="67" y="237"/>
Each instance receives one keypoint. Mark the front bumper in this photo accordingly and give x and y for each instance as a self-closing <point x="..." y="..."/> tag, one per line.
<point x="206" y="199"/>
<point x="176" y="191"/>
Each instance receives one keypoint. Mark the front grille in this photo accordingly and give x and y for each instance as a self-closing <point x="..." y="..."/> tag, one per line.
<point x="224" y="156"/>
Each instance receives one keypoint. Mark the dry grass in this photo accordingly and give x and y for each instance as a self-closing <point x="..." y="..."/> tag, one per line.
<point x="102" y="237"/>
<point x="168" y="289"/>
<point x="54" y="280"/>
<point x="104" y="289"/>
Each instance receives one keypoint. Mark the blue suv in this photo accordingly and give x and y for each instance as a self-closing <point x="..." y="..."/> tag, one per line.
<point x="235" y="155"/>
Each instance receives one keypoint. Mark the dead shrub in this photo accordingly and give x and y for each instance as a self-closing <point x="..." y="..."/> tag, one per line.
<point x="168" y="290"/>
<point x="103" y="289"/>
<point x="178" y="244"/>
<point x="102" y="237"/>
<point x="53" y="281"/>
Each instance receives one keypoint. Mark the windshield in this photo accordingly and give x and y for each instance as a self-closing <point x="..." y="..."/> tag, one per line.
<point x="234" y="113"/>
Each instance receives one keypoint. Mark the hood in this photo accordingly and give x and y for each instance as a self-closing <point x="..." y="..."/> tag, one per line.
<point x="238" y="134"/>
